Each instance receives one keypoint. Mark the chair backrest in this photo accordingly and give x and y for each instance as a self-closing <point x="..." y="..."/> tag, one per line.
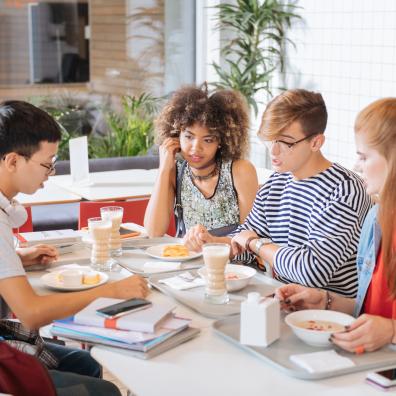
<point x="28" y="226"/>
<point x="133" y="212"/>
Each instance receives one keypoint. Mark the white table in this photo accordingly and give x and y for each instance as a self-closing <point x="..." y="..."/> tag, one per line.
<point x="49" y="194"/>
<point x="210" y="365"/>
<point x="111" y="185"/>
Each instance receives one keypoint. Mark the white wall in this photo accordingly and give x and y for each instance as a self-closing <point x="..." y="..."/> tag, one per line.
<point x="346" y="49"/>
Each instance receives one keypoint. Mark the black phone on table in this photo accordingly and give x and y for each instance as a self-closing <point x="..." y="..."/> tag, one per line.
<point x="123" y="308"/>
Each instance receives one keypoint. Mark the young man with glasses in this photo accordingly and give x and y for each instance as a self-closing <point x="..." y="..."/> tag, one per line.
<point x="29" y="140"/>
<point x="306" y="219"/>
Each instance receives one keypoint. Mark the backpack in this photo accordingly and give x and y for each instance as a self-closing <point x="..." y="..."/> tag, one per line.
<point x="22" y="374"/>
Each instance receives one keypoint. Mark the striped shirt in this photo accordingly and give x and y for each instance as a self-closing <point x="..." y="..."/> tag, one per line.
<point x="317" y="223"/>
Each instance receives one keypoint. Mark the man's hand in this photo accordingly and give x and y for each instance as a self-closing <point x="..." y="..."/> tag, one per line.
<point x="132" y="287"/>
<point x="38" y="254"/>
<point x="238" y="243"/>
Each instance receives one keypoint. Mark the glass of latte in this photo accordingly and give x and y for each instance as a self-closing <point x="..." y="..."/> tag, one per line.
<point x="216" y="256"/>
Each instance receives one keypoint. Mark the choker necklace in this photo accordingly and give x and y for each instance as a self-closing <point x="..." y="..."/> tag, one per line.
<point x="204" y="177"/>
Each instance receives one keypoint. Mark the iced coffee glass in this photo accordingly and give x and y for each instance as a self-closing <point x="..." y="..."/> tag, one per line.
<point x="216" y="256"/>
<point x="114" y="214"/>
<point x="100" y="230"/>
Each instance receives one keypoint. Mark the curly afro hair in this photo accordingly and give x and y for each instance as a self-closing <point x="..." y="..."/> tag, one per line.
<point x="224" y="113"/>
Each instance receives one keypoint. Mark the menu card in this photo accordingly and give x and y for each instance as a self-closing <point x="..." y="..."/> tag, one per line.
<point x="79" y="165"/>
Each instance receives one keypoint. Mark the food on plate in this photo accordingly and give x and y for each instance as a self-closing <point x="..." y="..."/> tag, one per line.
<point x="91" y="278"/>
<point x="69" y="278"/>
<point x="320" y="325"/>
<point x="231" y="276"/>
<point x="175" y="251"/>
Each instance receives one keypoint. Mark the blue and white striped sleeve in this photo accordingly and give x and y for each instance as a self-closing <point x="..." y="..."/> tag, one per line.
<point x="333" y="238"/>
<point x="255" y="221"/>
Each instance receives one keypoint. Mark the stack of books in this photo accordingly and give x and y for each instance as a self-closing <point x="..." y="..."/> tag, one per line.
<point x="55" y="237"/>
<point x="146" y="333"/>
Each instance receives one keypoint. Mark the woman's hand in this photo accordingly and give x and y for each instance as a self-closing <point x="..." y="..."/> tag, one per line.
<point x="167" y="153"/>
<point x="294" y="297"/>
<point x="238" y="242"/>
<point x="132" y="287"/>
<point x="38" y="254"/>
<point x="368" y="331"/>
<point x="196" y="236"/>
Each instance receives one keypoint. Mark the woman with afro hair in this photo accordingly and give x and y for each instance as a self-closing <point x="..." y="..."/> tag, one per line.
<point x="203" y="176"/>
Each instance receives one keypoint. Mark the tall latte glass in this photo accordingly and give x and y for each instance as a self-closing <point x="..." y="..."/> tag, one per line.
<point x="100" y="230"/>
<point x="114" y="214"/>
<point x="216" y="256"/>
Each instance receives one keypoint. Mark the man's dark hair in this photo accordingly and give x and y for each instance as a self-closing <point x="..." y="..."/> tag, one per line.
<point x="24" y="126"/>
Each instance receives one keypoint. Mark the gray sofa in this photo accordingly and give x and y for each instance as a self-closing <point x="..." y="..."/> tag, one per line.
<point x="61" y="216"/>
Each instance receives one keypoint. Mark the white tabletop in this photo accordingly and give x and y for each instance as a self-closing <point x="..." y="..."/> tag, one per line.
<point x="111" y="185"/>
<point x="206" y="365"/>
<point x="49" y="194"/>
<point x="210" y="365"/>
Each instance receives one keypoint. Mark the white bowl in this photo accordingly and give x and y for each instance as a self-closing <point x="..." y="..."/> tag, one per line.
<point x="244" y="274"/>
<point x="318" y="338"/>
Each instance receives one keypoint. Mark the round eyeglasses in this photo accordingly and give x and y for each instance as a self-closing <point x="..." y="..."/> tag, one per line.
<point x="285" y="147"/>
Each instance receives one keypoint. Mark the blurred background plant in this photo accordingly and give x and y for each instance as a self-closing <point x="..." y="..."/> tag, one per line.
<point x="110" y="133"/>
<point x="131" y="131"/>
<point x="256" y="49"/>
<point x="77" y="116"/>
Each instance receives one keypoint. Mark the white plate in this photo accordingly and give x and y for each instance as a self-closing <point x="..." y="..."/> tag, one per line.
<point x="156" y="252"/>
<point x="130" y="226"/>
<point x="51" y="280"/>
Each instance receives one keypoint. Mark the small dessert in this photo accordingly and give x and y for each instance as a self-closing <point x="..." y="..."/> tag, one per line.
<point x="91" y="278"/>
<point x="175" y="251"/>
<point x="70" y="278"/>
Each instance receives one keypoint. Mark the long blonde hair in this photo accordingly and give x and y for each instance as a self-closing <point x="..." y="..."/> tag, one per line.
<point x="378" y="122"/>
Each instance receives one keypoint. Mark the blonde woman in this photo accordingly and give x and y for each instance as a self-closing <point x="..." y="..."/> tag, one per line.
<point x="375" y="305"/>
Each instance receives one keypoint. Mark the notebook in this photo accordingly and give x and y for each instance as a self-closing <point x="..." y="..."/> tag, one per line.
<point x="152" y="350"/>
<point x="145" y="320"/>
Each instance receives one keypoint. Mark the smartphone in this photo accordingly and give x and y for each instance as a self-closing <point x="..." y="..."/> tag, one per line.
<point x="123" y="308"/>
<point x="384" y="378"/>
<point x="128" y="233"/>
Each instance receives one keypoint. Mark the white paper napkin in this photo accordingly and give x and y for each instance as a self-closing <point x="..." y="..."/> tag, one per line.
<point x="318" y="362"/>
<point x="161" y="266"/>
<point x="176" y="282"/>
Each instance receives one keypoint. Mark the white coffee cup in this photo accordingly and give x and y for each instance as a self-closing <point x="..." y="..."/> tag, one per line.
<point x="71" y="278"/>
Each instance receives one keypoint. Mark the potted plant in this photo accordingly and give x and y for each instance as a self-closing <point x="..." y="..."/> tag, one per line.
<point x="131" y="131"/>
<point x="258" y="28"/>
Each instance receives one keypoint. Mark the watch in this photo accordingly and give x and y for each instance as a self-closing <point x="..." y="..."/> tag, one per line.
<point x="259" y="243"/>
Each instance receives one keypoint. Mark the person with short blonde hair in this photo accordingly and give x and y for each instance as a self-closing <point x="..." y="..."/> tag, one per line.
<point x="306" y="219"/>
<point x="375" y="304"/>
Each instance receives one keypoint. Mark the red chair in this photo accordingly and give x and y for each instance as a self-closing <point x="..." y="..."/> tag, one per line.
<point x="28" y="226"/>
<point x="133" y="212"/>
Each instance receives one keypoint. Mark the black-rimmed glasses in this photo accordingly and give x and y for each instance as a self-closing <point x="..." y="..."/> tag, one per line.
<point x="49" y="166"/>
<point x="285" y="146"/>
